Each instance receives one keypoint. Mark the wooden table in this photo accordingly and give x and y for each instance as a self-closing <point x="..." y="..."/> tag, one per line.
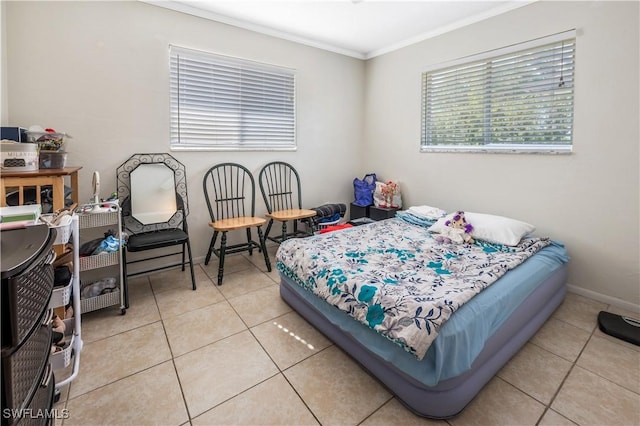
<point x="38" y="179"/>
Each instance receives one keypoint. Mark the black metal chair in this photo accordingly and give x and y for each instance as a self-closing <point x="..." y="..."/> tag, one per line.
<point x="282" y="194"/>
<point x="229" y="190"/>
<point x="152" y="189"/>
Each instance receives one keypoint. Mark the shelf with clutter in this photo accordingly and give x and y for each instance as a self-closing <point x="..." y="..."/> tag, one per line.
<point x="65" y="304"/>
<point x="34" y="169"/>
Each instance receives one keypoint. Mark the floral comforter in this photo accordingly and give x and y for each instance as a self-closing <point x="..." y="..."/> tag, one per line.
<point x="395" y="278"/>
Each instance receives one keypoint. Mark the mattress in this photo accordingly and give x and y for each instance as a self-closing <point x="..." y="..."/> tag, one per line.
<point x="471" y="346"/>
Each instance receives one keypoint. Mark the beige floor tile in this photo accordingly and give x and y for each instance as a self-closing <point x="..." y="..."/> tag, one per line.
<point x="222" y="370"/>
<point x="623" y="312"/>
<point x="289" y="339"/>
<point x="274" y="275"/>
<point x="198" y="328"/>
<point x="139" y="287"/>
<point x="150" y="397"/>
<point x="177" y="301"/>
<point x="108" y="322"/>
<point x="60" y="375"/>
<point x="536" y="371"/>
<point x="561" y="338"/>
<point x="232" y="263"/>
<point x="243" y="282"/>
<point x="113" y="358"/>
<point x="589" y="399"/>
<point x="499" y="403"/>
<point x="258" y="259"/>
<point x="260" y="305"/>
<point x="612" y="361"/>
<point x="579" y="311"/>
<point x="176" y="278"/>
<point x="336" y="388"/>
<point x="551" y="418"/>
<point x="394" y="413"/>
<point x="272" y="402"/>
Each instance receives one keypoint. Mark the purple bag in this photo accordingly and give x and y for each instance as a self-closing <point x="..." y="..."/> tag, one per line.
<point x="363" y="190"/>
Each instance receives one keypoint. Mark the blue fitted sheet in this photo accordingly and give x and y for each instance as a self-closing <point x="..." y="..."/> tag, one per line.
<point x="463" y="336"/>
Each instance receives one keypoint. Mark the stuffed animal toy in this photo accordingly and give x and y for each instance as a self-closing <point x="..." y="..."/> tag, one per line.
<point x="388" y="191"/>
<point x="457" y="230"/>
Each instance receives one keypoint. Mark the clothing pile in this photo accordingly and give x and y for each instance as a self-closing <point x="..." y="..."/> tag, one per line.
<point x="421" y="215"/>
<point x="326" y="213"/>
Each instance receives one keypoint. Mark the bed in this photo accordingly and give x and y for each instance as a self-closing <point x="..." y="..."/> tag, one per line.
<point x="432" y="321"/>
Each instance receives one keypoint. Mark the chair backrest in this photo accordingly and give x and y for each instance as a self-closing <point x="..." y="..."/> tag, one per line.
<point x="280" y="186"/>
<point x="229" y="190"/>
<point x="147" y="186"/>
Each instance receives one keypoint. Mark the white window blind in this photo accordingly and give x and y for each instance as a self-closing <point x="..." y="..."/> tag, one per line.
<point x="219" y="102"/>
<point x="517" y="99"/>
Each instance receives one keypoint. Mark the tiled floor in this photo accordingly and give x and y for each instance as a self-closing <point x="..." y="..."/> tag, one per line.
<point x="238" y="355"/>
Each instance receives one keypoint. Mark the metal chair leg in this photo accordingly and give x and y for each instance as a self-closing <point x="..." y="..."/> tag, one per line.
<point x="193" y="276"/>
<point x="183" y="257"/>
<point x="124" y="277"/>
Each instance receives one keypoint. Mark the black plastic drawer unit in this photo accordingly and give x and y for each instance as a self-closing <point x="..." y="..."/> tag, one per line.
<point x="27" y="284"/>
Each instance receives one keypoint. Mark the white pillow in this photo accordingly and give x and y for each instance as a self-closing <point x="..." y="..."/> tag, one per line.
<point x="491" y="228"/>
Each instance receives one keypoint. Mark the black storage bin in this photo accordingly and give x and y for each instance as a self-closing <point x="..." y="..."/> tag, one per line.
<point x="27" y="280"/>
<point x="27" y="284"/>
<point x="22" y="367"/>
<point x="43" y="398"/>
<point x="356" y="211"/>
<point x="378" y="213"/>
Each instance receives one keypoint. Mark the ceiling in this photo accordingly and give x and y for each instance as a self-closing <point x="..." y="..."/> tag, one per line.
<point x="358" y="28"/>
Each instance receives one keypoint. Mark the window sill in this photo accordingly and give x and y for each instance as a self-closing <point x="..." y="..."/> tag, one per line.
<point x="502" y="149"/>
<point x="200" y="148"/>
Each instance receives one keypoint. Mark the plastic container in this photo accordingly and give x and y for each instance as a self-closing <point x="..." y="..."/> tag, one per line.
<point x="52" y="159"/>
<point x="61" y="295"/>
<point x="63" y="231"/>
<point x="48" y="141"/>
<point x="62" y="358"/>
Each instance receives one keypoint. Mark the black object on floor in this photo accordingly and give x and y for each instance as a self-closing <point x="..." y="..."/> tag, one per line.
<point x="625" y="328"/>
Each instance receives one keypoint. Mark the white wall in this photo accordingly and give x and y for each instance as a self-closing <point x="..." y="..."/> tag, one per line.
<point x="4" y="99"/>
<point x="588" y="200"/>
<point x="99" y="71"/>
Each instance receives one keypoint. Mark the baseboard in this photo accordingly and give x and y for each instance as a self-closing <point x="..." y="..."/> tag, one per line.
<point x="622" y="304"/>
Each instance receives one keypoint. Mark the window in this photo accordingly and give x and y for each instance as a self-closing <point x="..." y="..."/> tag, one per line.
<point x="515" y="99"/>
<point x="219" y="102"/>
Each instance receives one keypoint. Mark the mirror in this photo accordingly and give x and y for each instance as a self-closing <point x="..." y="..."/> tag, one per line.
<point x="153" y="195"/>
